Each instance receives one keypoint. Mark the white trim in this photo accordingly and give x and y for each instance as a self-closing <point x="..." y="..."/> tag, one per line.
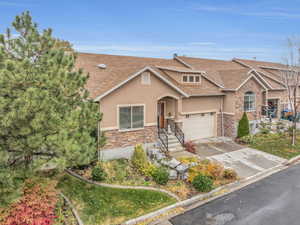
<point x="108" y="128"/>
<point x="252" y="76"/>
<point x="167" y="95"/>
<point x="219" y="85"/>
<point x="262" y="79"/>
<point x="150" y="124"/>
<point x="183" y="62"/>
<point x="252" y="109"/>
<point x="179" y="70"/>
<point x="228" y="89"/>
<point x="244" y="64"/>
<point x="130" y="105"/>
<point x="276" y="68"/>
<point x="272" y="78"/>
<point x="229" y="113"/>
<point x="137" y="74"/>
<point x="179" y="121"/>
<point x="199" y="112"/>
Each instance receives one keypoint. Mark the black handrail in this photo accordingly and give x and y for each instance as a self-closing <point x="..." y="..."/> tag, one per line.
<point x="177" y="131"/>
<point x="179" y="134"/>
<point x="163" y="137"/>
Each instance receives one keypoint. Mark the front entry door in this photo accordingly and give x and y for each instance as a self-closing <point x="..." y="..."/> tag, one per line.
<point x="161" y="114"/>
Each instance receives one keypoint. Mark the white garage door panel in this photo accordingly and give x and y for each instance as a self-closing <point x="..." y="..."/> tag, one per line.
<point x="198" y="126"/>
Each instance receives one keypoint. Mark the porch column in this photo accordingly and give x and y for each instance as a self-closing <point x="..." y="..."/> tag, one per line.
<point x="178" y="115"/>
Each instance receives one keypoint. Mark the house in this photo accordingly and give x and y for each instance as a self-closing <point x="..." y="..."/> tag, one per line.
<point x="144" y="99"/>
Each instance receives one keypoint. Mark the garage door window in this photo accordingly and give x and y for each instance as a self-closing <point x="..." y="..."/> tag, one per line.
<point x="131" y="117"/>
<point x="249" y="101"/>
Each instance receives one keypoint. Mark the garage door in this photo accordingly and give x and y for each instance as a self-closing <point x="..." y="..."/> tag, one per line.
<point x="197" y="126"/>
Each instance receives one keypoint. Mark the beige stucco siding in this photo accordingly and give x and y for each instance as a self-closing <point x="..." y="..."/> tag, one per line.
<point x="134" y="92"/>
<point x="229" y="102"/>
<point x="201" y="104"/>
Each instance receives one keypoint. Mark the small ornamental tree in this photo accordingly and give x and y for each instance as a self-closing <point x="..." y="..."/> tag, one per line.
<point x="243" y="127"/>
<point x="45" y="112"/>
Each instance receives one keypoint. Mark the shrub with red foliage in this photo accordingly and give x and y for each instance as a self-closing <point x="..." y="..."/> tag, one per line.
<point x="36" y="206"/>
<point x="190" y="147"/>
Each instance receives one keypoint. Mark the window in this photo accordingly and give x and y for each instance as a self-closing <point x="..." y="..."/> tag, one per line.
<point x="146" y="78"/>
<point x="131" y="117"/>
<point x="191" y="78"/>
<point x="185" y="78"/>
<point x="249" y="101"/>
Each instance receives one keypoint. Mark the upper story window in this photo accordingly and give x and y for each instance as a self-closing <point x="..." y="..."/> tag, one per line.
<point x="191" y="78"/>
<point x="249" y="101"/>
<point x="131" y="117"/>
<point x="146" y="78"/>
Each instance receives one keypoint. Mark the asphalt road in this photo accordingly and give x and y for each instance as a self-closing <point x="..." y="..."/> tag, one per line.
<point x="274" y="200"/>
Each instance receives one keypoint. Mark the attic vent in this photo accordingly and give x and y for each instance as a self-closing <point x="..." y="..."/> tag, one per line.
<point x="101" y="66"/>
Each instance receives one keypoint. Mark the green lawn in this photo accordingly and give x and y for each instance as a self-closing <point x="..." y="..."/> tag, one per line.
<point x="102" y="205"/>
<point x="276" y="144"/>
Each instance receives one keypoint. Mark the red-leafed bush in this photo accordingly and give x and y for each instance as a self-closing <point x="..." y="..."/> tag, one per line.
<point x="36" y="206"/>
<point x="190" y="147"/>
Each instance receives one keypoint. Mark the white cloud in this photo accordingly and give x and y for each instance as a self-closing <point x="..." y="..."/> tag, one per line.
<point x="11" y="3"/>
<point x="202" y="43"/>
<point x="270" y="13"/>
<point x="210" y="50"/>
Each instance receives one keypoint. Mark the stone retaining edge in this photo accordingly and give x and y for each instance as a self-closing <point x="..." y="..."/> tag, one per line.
<point x="75" y="213"/>
<point x="122" y="186"/>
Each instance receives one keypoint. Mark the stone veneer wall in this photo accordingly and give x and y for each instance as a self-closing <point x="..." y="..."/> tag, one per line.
<point x="253" y="86"/>
<point x="120" y="139"/>
<point x="219" y="124"/>
<point x="229" y="125"/>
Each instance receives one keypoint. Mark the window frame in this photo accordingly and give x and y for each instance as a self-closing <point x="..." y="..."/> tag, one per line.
<point x="131" y="114"/>
<point x="188" y="78"/>
<point x="249" y="94"/>
<point x="146" y="78"/>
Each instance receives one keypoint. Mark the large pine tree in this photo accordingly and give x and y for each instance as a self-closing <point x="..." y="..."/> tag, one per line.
<point x="45" y="112"/>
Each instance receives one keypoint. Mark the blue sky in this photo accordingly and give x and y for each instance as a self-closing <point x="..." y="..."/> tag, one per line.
<point x="158" y="28"/>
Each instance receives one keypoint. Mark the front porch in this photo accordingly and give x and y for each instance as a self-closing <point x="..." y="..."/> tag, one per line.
<point x="170" y="134"/>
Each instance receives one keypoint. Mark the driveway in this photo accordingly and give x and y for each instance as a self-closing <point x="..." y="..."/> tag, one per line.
<point x="247" y="162"/>
<point x="274" y="200"/>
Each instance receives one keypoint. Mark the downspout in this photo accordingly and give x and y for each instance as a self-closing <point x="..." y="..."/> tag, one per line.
<point x="222" y="117"/>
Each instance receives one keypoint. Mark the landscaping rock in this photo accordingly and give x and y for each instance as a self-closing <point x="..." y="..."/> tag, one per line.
<point x="183" y="176"/>
<point x="153" y="152"/>
<point x="173" y="163"/>
<point x="159" y="156"/>
<point x="173" y="174"/>
<point x="182" y="168"/>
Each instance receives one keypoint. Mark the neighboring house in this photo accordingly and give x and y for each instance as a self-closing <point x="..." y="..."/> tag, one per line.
<point x="196" y="97"/>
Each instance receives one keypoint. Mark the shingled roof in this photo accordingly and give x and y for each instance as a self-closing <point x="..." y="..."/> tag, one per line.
<point x="223" y="74"/>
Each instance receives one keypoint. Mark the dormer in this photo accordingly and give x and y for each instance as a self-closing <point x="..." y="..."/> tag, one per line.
<point x="189" y="78"/>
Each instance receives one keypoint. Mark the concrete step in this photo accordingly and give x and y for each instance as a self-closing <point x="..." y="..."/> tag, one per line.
<point x="173" y="141"/>
<point x="176" y="149"/>
<point x="174" y="144"/>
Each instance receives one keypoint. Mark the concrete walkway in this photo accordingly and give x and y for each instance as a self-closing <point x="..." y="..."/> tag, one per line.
<point x="247" y="162"/>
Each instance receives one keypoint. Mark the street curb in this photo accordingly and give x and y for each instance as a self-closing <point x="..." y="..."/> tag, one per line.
<point x="292" y="160"/>
<point x="180" y="204"/>
<point x="207" y="197"/>
<point x="75" y="213"/>
<point x="122" y="186"/>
